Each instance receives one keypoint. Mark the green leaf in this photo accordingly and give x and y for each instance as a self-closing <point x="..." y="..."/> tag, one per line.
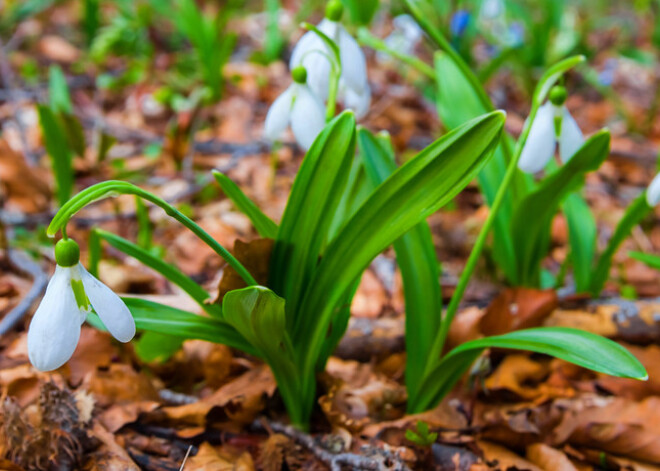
<point x="169" y="271"/>
<point x="262" y="223"/>
<point x="650" y="260"/>
<point x="530" y="224"/>
<point x="59" y="152"/>
<point x="418" y="263"/>
<point x="406" y="198"/>
<point x="582" y="233"/>
<point x="259" y="315"/>
<point x="74" y="133"/>
<point x="575" y="346"/>
<point x="637" y="211"/>
<point x="306" y="222"/>
<point x="457" y="103"/>
<point x="156" y="347"/>
<point x="155" y="317"/>
<point x="58" y="91"/>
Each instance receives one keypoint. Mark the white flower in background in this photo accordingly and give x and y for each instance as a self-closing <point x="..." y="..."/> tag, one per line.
<point x="299" y="107"/>
<point x="403" y="39"/>
<point x="71" y="293"/>
<point x="653" y="192"/>
<point x="313" y="54"/>
<point x="553" y="123"/>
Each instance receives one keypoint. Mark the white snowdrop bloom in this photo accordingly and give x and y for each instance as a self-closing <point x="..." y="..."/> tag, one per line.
<point x="553" y="123"/>
<point x="313" y="54"/>
<point x="71" y="294"/>
<point x="653" y="192"/>
<point x="298" y="107"/>
<point x="403" y="39"/>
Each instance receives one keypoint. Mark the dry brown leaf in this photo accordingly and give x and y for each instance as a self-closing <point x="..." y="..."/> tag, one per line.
<point x="110" y="456"/>
<point x="272" y="452"/>
<point x="24" y="186"/>
<point x="208" y="459"/>
<point x="500" y="458"/>
<point x="118" y="415"/>
<point x="58" y="49"/>
<point x="548" y="458"/>
<point x="255" y="257"/>
<point x="517" y="308"/>
<point x="119" y="383"/>
<point x="96" y="349"/>
<point x="237" y="402"/>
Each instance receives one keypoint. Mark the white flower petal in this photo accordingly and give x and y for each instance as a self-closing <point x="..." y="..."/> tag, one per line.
<point x="313" y="54"/>
<point x="358" y="102"/>
<point x="353" y="63"/>
<point x="279" y="115"/>
<point x="110" y="308"/>
<point x="307" y="117"/>
<point x="409" y="27"/>
<point x="653" y="192"/>
<point x="570" y="137"/>
<point x="55" y="327"/>
<point x="540" y="145"/>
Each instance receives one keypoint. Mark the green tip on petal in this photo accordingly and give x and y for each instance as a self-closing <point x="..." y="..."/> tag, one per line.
<point x="558" y="95"/>
<point x="334" y="10"/>
<point x="299" y="74"/>
<point x="67" y="253"/>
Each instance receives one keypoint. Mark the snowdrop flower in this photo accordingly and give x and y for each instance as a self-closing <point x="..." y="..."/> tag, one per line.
<point x="299" y="107"/>
<point x="653" y="192"/>
<point x="313" y="54"/>
<point x="403" y="38"/>
<point x="552" y="123"/>
<point x="71" y="294"/>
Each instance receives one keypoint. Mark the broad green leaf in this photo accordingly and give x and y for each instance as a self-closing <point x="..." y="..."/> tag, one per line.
<point x="531" y="220"/>
<point x="582" y="233"/>
<point x="169" y="271"/>
<point x="58" y="91"/>
<point x="457" y="103"/>
<point x="417" y="189"/>
<point x="357" y="190"/>
<point x="418" y="263"/>
<point x="262" y="223"/>
<point x="155" y="317"/>
<point x="637" y="211"/>
<point x="59" y="152"/>
<point x="306" y="222"/>
<point x="156" y="347"/>
<point x="259" y="315"/>
<point x="575" y="346"/>
<point x="650" y="260"/>
<point x="74" y="132"/>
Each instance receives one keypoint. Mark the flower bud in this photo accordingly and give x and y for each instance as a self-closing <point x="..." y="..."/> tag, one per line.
<point x="558" y="95"/>
<point x="334" y="10"/>
<point x="67" y="253"/>
<point x="299" y="74"/>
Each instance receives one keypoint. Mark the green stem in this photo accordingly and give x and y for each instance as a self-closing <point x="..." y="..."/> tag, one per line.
<point x="113" y="188"/>
<point x="368" y="39"/>
<point x="331" y="106"/>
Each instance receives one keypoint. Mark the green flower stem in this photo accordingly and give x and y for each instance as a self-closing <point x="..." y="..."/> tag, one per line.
<point x="368" y="39"/>
<point x="335" y="70"/>
<point x="114" y="188"/>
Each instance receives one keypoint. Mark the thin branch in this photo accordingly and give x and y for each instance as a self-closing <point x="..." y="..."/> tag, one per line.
<point x="40" y="280"/>
<point x="372" y="459"/>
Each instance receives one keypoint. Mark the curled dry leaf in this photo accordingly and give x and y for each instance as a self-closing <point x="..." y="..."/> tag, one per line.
<point x="517" y="308"/>
<point x="210" y="459"/>
<point x="548" y="458"/>
<point x="500" y="458"/>
<point x="237" y="403"/>
<point x="255" y="257"/>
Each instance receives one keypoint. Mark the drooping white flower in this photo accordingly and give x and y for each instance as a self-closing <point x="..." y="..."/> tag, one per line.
<point x="403" y="39"/>
<point x="553" y="123"/>
<point x="312" y="53"/>
<point x="71" y="294"/>
<point x="653" y="192"/>
<point x="298" y="107"/>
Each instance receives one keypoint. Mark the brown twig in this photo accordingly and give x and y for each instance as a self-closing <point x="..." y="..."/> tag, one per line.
<point x="40" y="280"/>
<point x="373" y="458"/>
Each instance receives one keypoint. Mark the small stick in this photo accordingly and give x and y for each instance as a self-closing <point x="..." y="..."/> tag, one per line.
<point x="40" y="280"/>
